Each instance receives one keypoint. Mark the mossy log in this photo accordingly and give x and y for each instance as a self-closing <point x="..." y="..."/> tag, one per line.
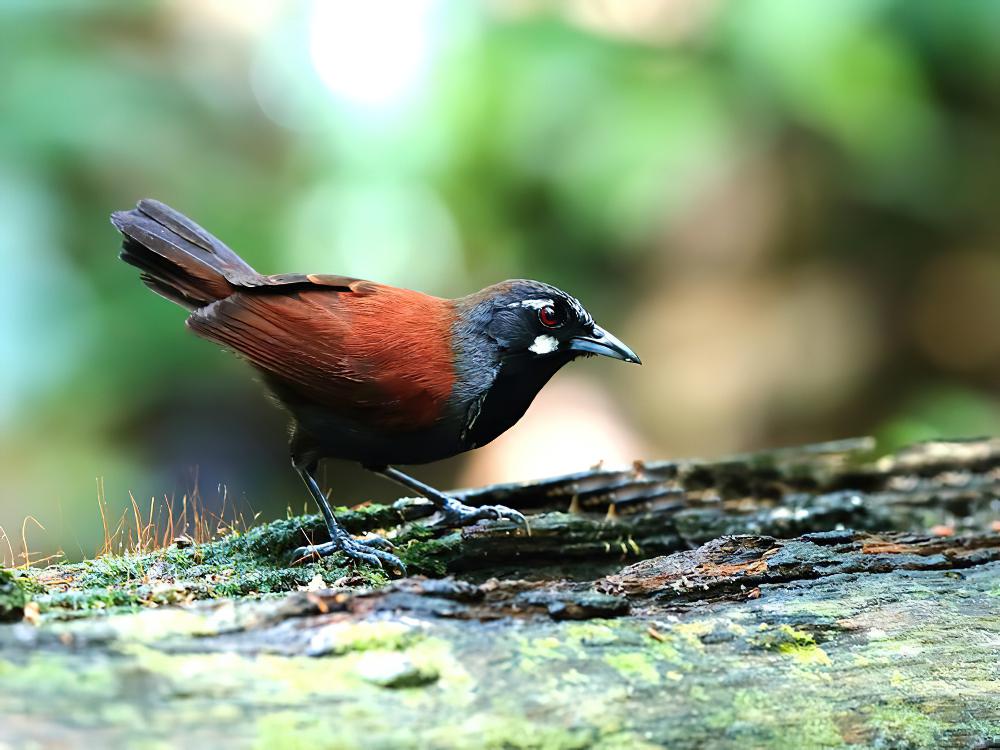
<point x="822" y="614"/>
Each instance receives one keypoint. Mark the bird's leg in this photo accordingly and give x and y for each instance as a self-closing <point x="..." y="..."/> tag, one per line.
<point x="454" y="512"/>
<point x="372" y="551"/>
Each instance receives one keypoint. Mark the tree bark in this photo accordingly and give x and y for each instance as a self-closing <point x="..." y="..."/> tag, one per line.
<point x="793" y="599"/>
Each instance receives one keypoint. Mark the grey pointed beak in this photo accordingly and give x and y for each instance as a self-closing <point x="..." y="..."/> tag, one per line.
<point x="603" y="343"/>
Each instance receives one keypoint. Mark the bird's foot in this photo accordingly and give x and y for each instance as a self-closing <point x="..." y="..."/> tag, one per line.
<point x="372" y="551"/>
<point x="455" y="513"/>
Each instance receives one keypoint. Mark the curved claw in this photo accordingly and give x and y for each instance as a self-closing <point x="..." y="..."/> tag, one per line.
<point x="371" y="551"/>
<point x="456" y="513"/>
<point x="512" y="515"/>
<point x="377" y="542"/>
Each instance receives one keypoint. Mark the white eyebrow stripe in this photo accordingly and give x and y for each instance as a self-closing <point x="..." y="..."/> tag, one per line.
<point x="536" y="304"/>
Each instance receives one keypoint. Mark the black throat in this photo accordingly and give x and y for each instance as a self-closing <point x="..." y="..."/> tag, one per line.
<point x="517" y="383"/>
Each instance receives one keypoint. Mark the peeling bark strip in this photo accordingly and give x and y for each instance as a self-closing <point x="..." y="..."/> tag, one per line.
<point x="452" y="599"/>
<point x="669" y="506"/>
<point x="727" y="568"/>
<point x="739" y="564"/>
<point x="814" y="469"/>
<point x="801" y="489"/>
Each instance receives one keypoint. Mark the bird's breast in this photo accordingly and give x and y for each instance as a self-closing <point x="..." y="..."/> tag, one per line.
<point x="499" y="406"/>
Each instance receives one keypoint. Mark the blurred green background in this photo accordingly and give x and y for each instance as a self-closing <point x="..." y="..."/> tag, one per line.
<point x="789" y="209"/>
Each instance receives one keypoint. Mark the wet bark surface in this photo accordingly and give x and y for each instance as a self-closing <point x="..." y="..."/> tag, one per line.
<point x="803" y="598"/>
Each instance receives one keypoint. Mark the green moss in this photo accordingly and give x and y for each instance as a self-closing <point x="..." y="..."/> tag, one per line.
<point x="423" y="554"/>
<point x="623" y="645"/>
<point x="677" y="645"/>
<point x="688" y="635"/>
<point x="904" y="726"/>
<point x="265" y="679"/>
<point x="796" y="637"/>
<point x="592" y="632"/>
<point x="341" y="638"/>
<point x="633" y="665"/>
<point x="548" y="647"/>
<point x="777" y="721"/>
<point x="694" y="628"/>
<point x="806" y="655"/>
<point x="56" y="676"/>
<point x="252" y="563"/>
<point x="668" y="652"/>
<point x="797" y="644"/>
<point x="511" y="734"/>
<point x="680" y="644"/>
<point x="13" y="597"/>
<point x="392" y="670"/>
<point x="368" y="517"/>
<point x="824" y="609"/>
<point x="292" y="730"/>
<point x="357" y="672"/>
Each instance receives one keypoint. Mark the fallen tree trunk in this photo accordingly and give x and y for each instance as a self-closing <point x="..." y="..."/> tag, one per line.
<point x="598" y="630"/>
<point x="658" y="508"/>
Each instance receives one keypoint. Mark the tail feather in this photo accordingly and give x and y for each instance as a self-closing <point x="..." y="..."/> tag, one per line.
<point x="179" y="260"/>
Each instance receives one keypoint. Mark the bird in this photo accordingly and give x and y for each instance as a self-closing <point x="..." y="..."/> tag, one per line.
<point x="369" y="373"/>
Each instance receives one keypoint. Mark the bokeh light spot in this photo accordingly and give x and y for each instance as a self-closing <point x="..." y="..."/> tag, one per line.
<point x="370" y="53"/>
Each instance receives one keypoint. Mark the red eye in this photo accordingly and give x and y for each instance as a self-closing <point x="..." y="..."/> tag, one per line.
<point x="549" y="317"/>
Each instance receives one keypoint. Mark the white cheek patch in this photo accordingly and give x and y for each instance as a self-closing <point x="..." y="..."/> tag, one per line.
<point x="544" y="344"/>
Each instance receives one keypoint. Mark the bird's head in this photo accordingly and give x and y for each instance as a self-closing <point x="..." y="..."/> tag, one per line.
<point x="533" y="321"/>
